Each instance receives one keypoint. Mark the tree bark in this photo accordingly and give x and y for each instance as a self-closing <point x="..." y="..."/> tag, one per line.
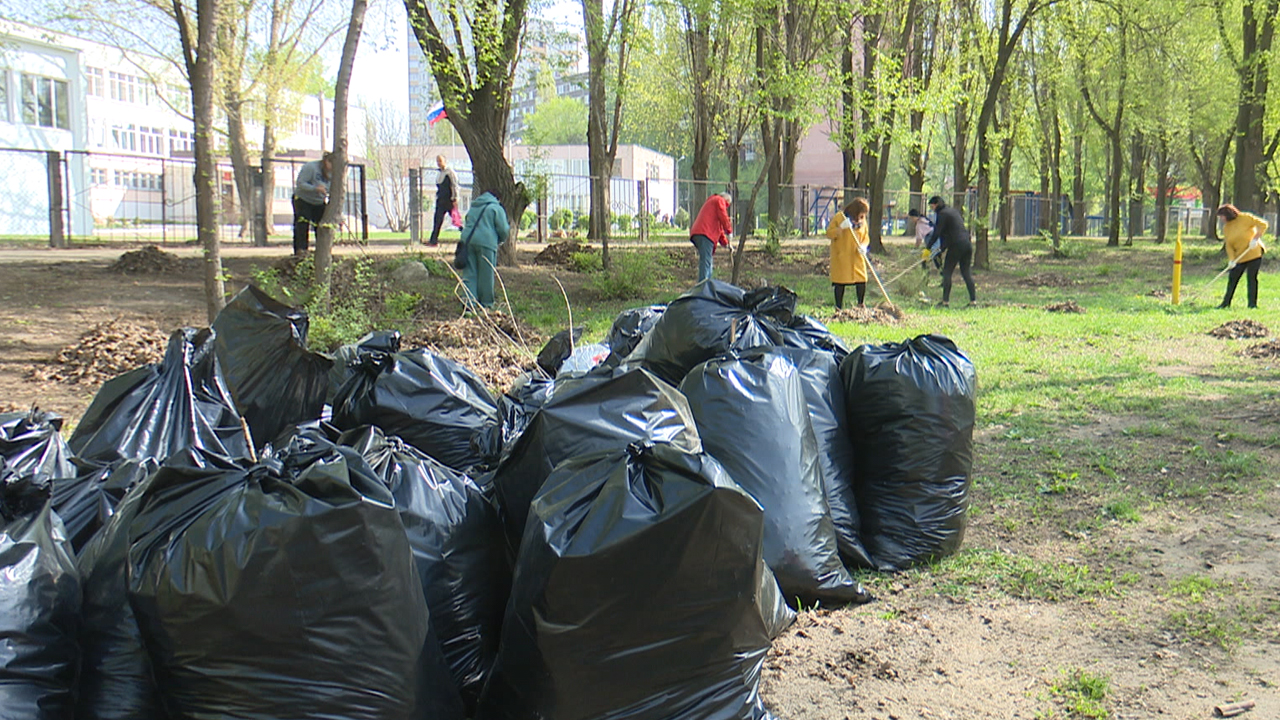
<point x="1137" y="185"/>
<point x="337" y="181"/>
<point x="1079" y="211"/>
<point x="1163" y="182"/>
<point x="1258" y="26"/>
<point x="238" y="148"/>
<point x="698" y="47"/>
<point x="198" y="55"/>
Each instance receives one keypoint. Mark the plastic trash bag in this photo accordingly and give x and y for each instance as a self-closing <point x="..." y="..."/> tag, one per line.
<point x="583" y="360"/>
<point x="153" y="411"/>
<point x="283" y="589"/>
<point x="640" y="593"/>
<point x="86" y="502"/>
<point x="808" y="333"/>
<point x="558" y="349"/>
<point x="911" y="408"/>
<point x="346" y="357"/>
<point x="456" y="537"/>
<point x="824" y="394"/>
<point x="590" y="414"/>
<point x="275" y="380"/>
<point x="429" y="401"/>
<point x="31" y="444"/>
<point x="753" y="417"/>
<point x="516" y="409"/>
<point x="709" y="320"/>
<point x="39" y="603"/>
<point x="116" y="681"/>
<point x="630" y="327"/>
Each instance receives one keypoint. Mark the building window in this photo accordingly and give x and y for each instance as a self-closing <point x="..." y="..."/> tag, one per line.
<point x="151" y="141"/>
<point x="122" y="86"/>
<point x="44" y="102"/>
<point x="309" y="124"/>
<point x="125" y="137"/>
<point x="4" y="95"/>
<point x="179" y="142"/>
<point x="95" y="82"/>
<point x="98" y="176"/>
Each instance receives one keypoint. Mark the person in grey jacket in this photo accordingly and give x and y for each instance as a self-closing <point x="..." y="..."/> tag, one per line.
<point x="310" y="193"/>
<point x="485" y="229"/>
<point x="446" y="197"/>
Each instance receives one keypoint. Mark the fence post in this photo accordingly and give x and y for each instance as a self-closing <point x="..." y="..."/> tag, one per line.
<point x="364" y="207"/>
<point x="642" y="212"/>
<point x="259" y="197"/>
<point x="415" y="208"/>
<point x="53" y="166"/>
<point x="804" y="211"/>
<point x="541" y="212"/>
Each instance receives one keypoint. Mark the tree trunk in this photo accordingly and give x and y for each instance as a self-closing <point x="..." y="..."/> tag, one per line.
<point x="1054" y="209"/>
<point x="981" y="220"/>
<point x="959" y="158"/>
<point x="1006" y="171"/>
<point x="698" y="46"/>
<point x="198" y="54"/>
<point x="1163" y="182"/>
<point x="1115" y="170"/>
<point x="238" y="148"/>
<point x="269" y="175"/>
<point x="337" y="181"/>
<point x="1137" y="186"/>
<point x="1079" y="212"/>
<point x="1259" y="18"/>
<point x="849" y="141"/>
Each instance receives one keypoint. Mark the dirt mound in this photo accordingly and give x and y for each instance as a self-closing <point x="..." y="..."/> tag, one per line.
<point x="1069" y="306"/>
<point x="105" y="351"/>
<point x="1047" y="280"/>
<point x="559" y="254"/>
<point x="882" y="314"/>
<point x="492" y="347"/>
<point x="822" y="267"/>
<point x="147" y="261"/>
<point x="1158" y="294"/>
<point x="1238" y="329"/>
<point x="1268" y="349"/>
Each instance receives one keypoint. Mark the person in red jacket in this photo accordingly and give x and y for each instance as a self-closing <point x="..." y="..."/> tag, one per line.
<point x="712" y="228"/>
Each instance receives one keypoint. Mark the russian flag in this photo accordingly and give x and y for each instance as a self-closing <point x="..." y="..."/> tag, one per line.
<point x="436" y="113"/>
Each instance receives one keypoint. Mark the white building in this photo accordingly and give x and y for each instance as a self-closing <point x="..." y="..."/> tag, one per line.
<point x="122" y="121"/>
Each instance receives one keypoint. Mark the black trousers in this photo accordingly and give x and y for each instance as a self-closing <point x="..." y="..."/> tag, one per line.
<point x="860" y="288"/>
<point x="442" y="211"/>
<point x="1233" y="279"/>
<point x="962" y="257"/>
<point x="305" y="216"/>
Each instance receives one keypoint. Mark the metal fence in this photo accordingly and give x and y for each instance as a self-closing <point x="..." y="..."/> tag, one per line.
<point x="107" y="196"/>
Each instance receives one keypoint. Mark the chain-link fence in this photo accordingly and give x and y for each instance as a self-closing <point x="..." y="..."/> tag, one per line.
<point x="105" y="196"/>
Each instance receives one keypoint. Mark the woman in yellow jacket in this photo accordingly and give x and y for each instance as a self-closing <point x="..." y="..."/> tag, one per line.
<point x="1242" y="233"/>
<point x="848" y="234"/>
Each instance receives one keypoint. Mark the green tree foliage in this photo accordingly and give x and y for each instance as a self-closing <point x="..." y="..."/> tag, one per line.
<point x="557" y="121"/>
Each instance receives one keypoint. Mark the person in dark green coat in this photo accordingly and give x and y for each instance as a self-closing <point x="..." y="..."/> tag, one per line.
<point x="485" y="229"/>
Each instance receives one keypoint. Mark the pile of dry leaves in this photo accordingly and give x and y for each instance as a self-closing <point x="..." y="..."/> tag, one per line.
<point x="882" y="314"/>
<point x="1046" y="280"/>
<point x="496" y="346"/>
<point x="1069" y="306"/>
<point x="150" y="260"/>
<point x="1268" y="349"/>
<point x="105" y="351"/>
<point x="559" y="254"/>
<point x="1238" y="329"/>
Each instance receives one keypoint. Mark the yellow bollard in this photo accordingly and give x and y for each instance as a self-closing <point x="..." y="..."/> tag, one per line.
<point x="1177" y="266"/>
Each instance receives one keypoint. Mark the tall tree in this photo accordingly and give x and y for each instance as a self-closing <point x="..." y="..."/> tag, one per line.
<point x="1253" y="62"/>
<point x="608" y="55"/>
<point x="333" y="209"/>
<point x="474" y="70"/>
<point x="1115" y="36"/>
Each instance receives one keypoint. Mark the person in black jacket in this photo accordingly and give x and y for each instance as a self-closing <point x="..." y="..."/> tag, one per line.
<point x="446" y="197"/>
<point x="948" y="229"/>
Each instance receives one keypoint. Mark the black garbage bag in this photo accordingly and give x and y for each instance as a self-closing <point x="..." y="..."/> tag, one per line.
<point x="709" y="320"/>
<point x="824" y="393"/>
<point x="116" y="681"/>
<point x="516" y="409"/>
<point x="911" y="409"/>
<point x="558" y="349"/>
<point x="808" y="333"/>
<point x="591" y="414"/>
<point x="429" y="401"/>
<point x="275" y="380"/>
<point x="640" y="593"/>
<point x="346" y="357"/>
<point x="31" y="444"/>
<point x="87" y="501"/>
<point x="283" y="589"/>
<point x="630" y="327"/>
<point x="153" y="411"/>
<point x="456" y="537"/>
<point x="753" y="417"/>
<point x="39" y="603"/>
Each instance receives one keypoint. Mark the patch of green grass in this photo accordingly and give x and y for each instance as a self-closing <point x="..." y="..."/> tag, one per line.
<point x="974" y="571"/>
<point x="1122" y="511"/>
<point x="1080" y="694"/>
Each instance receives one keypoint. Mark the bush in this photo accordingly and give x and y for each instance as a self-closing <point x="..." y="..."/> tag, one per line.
<point x="631" y="276"/>
<point x="585" y="262"/>
<point x="527" y="219"/>
<point x="562" y="218"/>
<point x="583" y="223"/>
<point x="623" y="221"/>
<point x="682" y="218"/>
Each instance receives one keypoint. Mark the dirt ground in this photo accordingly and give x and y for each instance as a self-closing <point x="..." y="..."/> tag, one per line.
<point x="910" y="654"/>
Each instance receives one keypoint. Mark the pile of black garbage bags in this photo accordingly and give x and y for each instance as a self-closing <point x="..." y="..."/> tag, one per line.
<point x="249" y="529"/>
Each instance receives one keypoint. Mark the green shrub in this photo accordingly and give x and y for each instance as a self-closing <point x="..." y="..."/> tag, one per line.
<point x="623" y="221"/>
<point x="562" y="218"/>
<point x="582" y="222"/>
<point x="585" y="262"/>
<point x="682" y="218"/>
<point x="631" y="276"/>
<point x="527" y="219"/>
